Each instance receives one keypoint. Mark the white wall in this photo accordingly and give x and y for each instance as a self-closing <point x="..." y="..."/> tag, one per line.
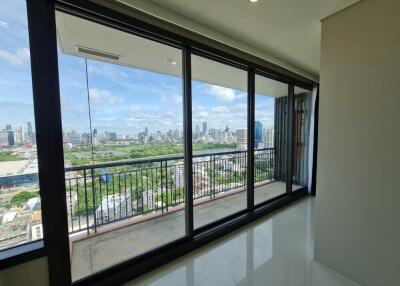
<point x="358" y="183"/>
<point x="32" y="273"/>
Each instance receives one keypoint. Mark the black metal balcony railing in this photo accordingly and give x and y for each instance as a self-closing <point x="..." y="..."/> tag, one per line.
<point x="105" y="193"/>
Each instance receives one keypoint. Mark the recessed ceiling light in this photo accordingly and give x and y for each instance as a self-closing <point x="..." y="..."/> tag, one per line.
<point x="172" y="62"/>
<point x="253" y="1"/>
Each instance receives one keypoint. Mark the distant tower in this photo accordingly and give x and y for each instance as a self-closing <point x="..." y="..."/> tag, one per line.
<point x="11" y="138"/>
<point x="258" y="128"/>
<point x="269" y="138"/>
<point x="241" y="139"/>
<point x="8" y="127"/>
<point x="30" y="129"/>
<point x="204" y="127"/>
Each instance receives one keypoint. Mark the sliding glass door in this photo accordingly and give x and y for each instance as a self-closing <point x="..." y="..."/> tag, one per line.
<point x="219" y="118"/>
<point x="122" y="111"/>
<point x="270" y="139"/>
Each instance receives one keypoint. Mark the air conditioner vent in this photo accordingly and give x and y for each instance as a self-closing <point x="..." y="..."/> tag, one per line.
<point x="98" y="53"/>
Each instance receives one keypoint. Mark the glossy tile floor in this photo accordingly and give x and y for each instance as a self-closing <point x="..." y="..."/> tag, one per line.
<point x="98" y="252"/>
<point x="274" y="251"/>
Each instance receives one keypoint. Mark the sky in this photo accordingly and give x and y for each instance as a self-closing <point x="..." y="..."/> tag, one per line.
<point x="16" y="105"/>
<point x="122" y="99"/>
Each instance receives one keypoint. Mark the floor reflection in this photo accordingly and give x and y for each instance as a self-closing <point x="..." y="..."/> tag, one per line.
<point x="276" y="250"/>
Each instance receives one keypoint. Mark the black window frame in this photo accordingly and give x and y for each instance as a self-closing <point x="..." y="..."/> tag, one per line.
<point x="44" y="70"/>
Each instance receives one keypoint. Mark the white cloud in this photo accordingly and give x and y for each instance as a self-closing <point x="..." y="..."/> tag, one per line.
<point x="222" y="93"/>
<point x="241" y="95"/>
<point x="18" y="58"/>
<point x="220" y="109"/>
<point x="197" y="108"/>
<point x="176" y="98"/>
<point x="102" y="97"/>
<point x="202" y="115"/>
<point x="168" y="114"/>
<point x="135" y="108"/>
<point x="3" y="24"/>
<point x="240" y="107"/>
<point x="163" y="98"/>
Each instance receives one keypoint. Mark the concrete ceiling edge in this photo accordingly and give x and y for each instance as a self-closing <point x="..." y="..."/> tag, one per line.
<point x="164" y="14"/>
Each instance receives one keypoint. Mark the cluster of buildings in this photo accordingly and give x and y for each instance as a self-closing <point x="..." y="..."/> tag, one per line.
<point x="74" y="138"/>
<point x="10" y="137"/>
<point x="213" y="135"/>
<point x="21" y="225"/>
<point x="169" y="136"/>
<point x="264" y="138"/>
<point x="119" y="206"/>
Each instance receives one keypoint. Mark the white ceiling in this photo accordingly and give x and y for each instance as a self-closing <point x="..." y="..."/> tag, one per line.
<point x="137" y="52"/>
<point x="288" y="30"/>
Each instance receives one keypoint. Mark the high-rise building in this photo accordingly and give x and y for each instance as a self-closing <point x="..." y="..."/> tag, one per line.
<point x="179" y="176"/>
<point x="170" y="135"/>
<point x="8" y="127"/>
<point x="268" y="138"/>
<point x="177" y="134"/>
<point x="204" y="127"/>
<point x="30" y="130"/>
<point x="11" y="138"/>
<point x="19" y="136"/>
<point x="197" y="132"/>
<point x="258" y="130"/>
<point x="241" y="139"/>
<point x="86" y="138"/>
<point x="221" y="138"/>
<point x="214" y="132"/>
<point x="110" y="135"/>
<point x="3" y="138"/>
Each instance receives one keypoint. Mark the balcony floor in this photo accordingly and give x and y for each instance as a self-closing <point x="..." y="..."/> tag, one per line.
<point x="117" y="242"/>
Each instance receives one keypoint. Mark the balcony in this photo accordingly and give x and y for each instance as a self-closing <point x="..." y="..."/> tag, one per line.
<point x="119" y="210"/>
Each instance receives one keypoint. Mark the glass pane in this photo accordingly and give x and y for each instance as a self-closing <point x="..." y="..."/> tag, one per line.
<point x="122" y="117"/>
<point x="20" y="214"/>
<point x="219" y="110"/>
<point x="270" y="148"/>
<point x="302" y="119"/>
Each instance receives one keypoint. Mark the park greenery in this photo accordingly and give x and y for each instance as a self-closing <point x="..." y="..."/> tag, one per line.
<point x="21" y="198"/>
<point x="8" y="156"/>
<point x="82" y="155"/>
